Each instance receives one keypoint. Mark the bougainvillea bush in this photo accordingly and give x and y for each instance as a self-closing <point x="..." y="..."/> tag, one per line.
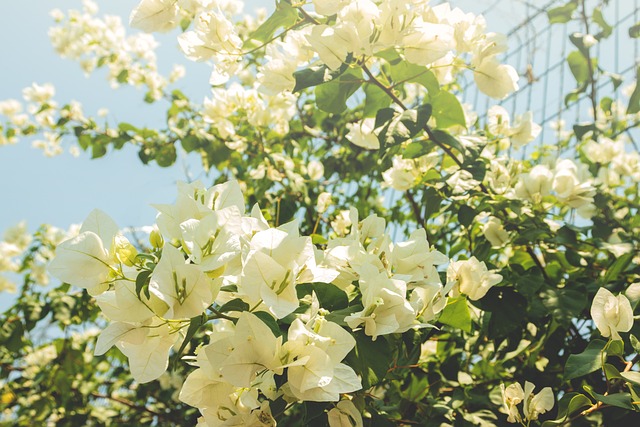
<point x="365" y="249"/>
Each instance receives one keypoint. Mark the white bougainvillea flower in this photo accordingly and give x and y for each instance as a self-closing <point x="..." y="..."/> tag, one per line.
<point x="495" y="232"/>
<point x="312" y="356"/>
<point x="279" y="259"/>
<point x="524" y="130"/>
<point x="345" y="414"/>
<point x="89" y="260"/>
<point x="185" y="288"/>
<point x="155" y="15"/>
<point x="498" y="120"/>
<point x="471" y="277"/>
<point x="512" y="396"/>
<point x="213" y="35"/>
<point x="194" y="201"/>
<point x="329" y="45"/>
<point x="386" y="309"/>
<point x="495" y="79"/>
<point x="362" y="134"/>
<point x="611" y="314"/>
<point x="146" y="345"/>
<point x="537" y="404"/>
<point x="254" y="348"/>
<point x="415" y="258"/>
<point x="213" y="242"/>
<point x="123" y="305"/>
<point x="329" y="7"/>
<point x="533" y="404"/>
<point x="427" y="42"/>
<point x="535" y="184"/>
<point x="402" y="175"/>
<point x="221" y="403"/>
<point x="572" y="184"/>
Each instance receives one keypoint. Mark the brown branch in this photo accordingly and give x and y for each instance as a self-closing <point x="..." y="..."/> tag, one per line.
<point x="130" y="404"/>
<point x="416" y="209"/>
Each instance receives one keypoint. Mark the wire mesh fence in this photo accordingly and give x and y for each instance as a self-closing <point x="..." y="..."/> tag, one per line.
<point x="538" y="51"/>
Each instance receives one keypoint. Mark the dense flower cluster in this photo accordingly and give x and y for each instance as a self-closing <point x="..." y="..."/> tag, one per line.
<point x="210" y="256"/>
<point x="96" y="42"/>
<point x="342" y="121"/>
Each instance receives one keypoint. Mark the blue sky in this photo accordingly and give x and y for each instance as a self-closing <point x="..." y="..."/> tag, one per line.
<point x="62" y="190"/>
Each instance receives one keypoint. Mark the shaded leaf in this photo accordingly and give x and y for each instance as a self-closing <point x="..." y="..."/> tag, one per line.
<point x="586" y="362"/>
<point x="456" y="314"/>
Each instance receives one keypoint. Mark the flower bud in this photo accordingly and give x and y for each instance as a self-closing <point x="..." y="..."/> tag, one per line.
<point x="155" y="239"/>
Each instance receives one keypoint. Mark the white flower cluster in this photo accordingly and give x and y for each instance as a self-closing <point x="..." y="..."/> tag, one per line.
<point x="571" y="183"/>
<point x="615" y="161"/>
<point x="437" y="37"/>
<point x="523" y="131"/>
<point x="261" y="111"/>
<point x="43" y="115"/>
<point x="96" y="42"/>
<point x="18" y="252"/>
<point x="611" y="314"/>
<point x="533" y="405"/>
<point x="209" y="253"/>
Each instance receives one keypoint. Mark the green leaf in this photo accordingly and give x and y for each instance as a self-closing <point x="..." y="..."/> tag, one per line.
<point x="634" y="343"/>
<point x="235" y="304"/>
<point x="402" y="71"/>
<point x="562" y="14"/>
<point x="448" y="140"/>
<point x="507" y="308"/>
<point x="634" y="100"/>
<point x="466" y="215"/>
<point x="376" y="99"/>
<point x="564" y="304"/>
<point x="570" y="403"/>
<point x="586" y="362"/>
<point x="269" y="321"/>
<point x="634" y="31"/>
<point x="383" y="116"/>
<point x="318" y="239"/>
<point x="123" y="76"/>
<point x="416" y="119"/>
<point x="456" y="314"/>
<point x="332" y="97"/>
<point x="127" y="127"/>
<point x="371" y="359"/>
<point x="194" y="325"/>
<point x="579" y="66"/>
<point x="607" y="29"/>
<point x="617" y="267"/>
<point x="142" y="281"/>
<point x="574" y="95"/>
<point x="611" y="371"/>
<point x="284" y="16"/>
<point x="447" y="110"/>
<point x="403" y="126"/>
<point x="330" y="296"/>
<point x="615" y="348"/>
<point x="417" y="390"/>
<point x="581" y="130"/>
<point x="621" y="400"/>
<point x="312" y="76"/>
<point x="632" y="377"/>
<point x="190" y="143"/>
<point x="578" y="402"/>
<point x="166" y="155"/>
<point x="415" y="150"/>
<point x="98" y="149"/>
